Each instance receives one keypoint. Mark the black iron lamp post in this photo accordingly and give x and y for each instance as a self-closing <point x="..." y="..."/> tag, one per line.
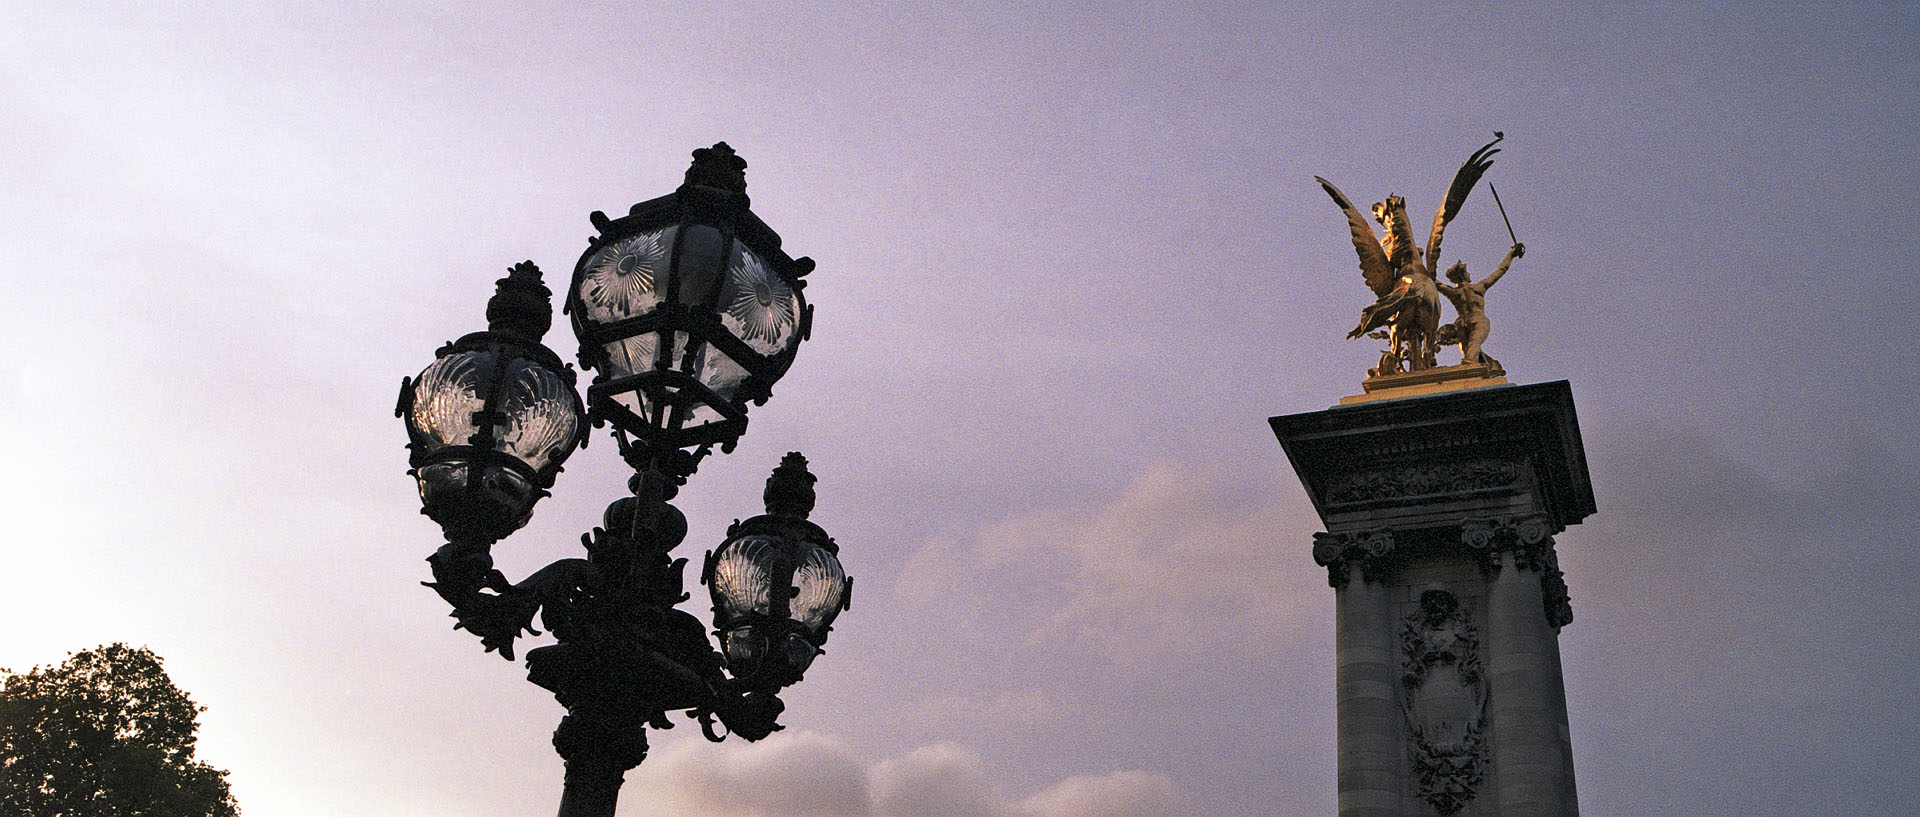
<point x="687" y="310"/>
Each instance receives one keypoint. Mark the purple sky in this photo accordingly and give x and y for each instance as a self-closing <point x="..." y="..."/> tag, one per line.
<point x="1070" y="261"/>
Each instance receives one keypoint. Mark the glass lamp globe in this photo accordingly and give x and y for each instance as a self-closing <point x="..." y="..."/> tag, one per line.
<point x="777" y="584"/>
<point x="687" y="310"/>
<point x="493" y="418"/>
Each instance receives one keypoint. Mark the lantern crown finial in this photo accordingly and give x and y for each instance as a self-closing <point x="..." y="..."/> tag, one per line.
<point x="790" y="488"/>
<point x="521" y="304"/>
<point x="720" y="167"/>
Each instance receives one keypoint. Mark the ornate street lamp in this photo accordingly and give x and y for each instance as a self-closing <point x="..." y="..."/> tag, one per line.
<point x="687" y="310"/>
<point x="777" y="584"/>
<point x="491" y="420"/>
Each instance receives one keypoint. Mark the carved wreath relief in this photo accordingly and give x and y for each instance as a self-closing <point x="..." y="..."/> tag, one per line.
<point x="1445" y="700"/>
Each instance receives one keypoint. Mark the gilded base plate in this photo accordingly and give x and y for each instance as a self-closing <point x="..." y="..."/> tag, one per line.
<point x="1427" y="381"/>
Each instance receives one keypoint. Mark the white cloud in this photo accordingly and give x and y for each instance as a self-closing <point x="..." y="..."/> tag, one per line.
<point x="1175" y="562"/>
<point x="807" y="774"/>
<point x="803" y="774"/>
<point x="943" y="779"/>
<point x="1121" y="794"/>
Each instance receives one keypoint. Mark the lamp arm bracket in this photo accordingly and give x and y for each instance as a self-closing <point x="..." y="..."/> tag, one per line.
<point x="462" y="574"/>
<point x="706" y="724"/>
<point x="748" y="713"/>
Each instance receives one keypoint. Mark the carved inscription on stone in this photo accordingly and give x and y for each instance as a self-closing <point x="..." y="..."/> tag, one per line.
<point x="1424" y="445"/>
<point x="1445" y="700"/>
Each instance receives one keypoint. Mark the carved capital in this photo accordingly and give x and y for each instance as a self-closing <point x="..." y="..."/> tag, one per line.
<point x="1379" y="551"/>
<point x="1530" y="540"/>
<point x="1526" y="537"/>
<point x="1373" y="550"/>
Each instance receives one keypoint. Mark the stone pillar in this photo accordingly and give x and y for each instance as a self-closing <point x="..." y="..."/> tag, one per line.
<point x="1371" y="760"/>
<point x="1448" y="597"/>
<point x="1525" y="715"/>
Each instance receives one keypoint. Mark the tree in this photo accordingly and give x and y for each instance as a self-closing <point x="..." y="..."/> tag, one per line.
<point x="105" y="734"/>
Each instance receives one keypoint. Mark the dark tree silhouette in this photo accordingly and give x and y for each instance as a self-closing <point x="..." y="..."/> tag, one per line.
<point x="105" y="734"/>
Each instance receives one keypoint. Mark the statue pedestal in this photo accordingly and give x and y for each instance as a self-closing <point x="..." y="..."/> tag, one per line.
<point x="1440" y="513"/>
<point x="1427" y="381"/>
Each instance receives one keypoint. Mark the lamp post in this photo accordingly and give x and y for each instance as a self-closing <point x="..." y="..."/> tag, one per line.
<point x="687" y="310"/>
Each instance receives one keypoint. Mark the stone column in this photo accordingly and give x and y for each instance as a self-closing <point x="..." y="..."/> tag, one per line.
<point x="1372" y="760"/>
<point x="1525" y="711"/>
<point x="1448" y="597"/>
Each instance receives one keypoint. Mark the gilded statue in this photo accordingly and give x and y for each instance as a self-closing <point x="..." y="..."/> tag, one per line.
<point x="1401" y="275"/>
<point x="1469" y="297"/>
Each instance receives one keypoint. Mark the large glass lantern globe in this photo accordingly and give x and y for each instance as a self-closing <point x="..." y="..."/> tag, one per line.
<point x="687" y="310"/>
<point x="493" y="418"/>
<point x="777" y="584"/>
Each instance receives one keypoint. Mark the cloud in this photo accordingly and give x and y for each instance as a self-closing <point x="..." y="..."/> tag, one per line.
<point x="1176" y="562"/>
<point x="1121" y="794"/>
<point x="942" y="779"/>
<point x="803" y="774"/>
<point x="808" y="774"/>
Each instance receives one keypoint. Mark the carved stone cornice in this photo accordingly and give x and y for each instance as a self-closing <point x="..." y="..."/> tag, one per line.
<point x="1422" y="480"/>
<point x="1430" y="444"/>
<point x="1533" y="425"/>
<point x="1530" y="540"/>
<point x="1373" y="550"/>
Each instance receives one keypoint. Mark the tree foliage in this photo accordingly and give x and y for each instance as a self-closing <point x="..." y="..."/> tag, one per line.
<point x="105" y="734"/>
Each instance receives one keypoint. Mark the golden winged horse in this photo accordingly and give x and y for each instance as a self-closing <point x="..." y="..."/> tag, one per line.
<point x="1409" y="297"/>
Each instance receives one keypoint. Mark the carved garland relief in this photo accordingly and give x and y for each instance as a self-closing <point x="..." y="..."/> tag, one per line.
<point x="1446" y="478"/>
<point x="1445" y="701"/>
